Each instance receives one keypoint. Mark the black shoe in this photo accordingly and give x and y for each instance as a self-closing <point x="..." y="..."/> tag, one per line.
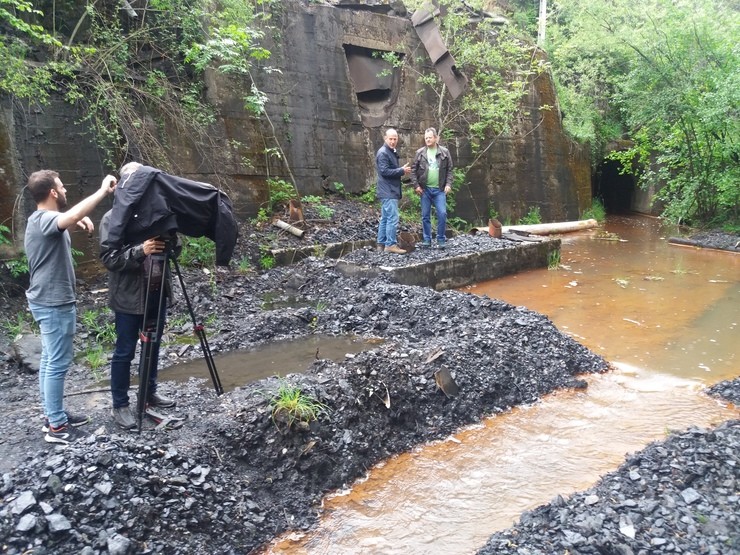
<point x="124" y="417"/>
<point x="64" y="434"/>
<point x="157" y="400"/>
<point x="73" y="420"/>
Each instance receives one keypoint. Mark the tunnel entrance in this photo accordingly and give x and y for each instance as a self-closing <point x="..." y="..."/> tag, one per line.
<point x="615" y="190"/>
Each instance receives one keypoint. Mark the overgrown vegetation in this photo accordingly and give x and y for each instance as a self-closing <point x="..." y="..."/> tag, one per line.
<point x="136" y="78"/>
<point x="499" y="61"/>
<point x="197" y="252"/>
<point x="662" y="79"/>
<point x="531" y="217"/>
<point x="665" y="78"/>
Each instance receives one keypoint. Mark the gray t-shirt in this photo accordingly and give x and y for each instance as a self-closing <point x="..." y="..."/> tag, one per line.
<point x="50" y="266"/>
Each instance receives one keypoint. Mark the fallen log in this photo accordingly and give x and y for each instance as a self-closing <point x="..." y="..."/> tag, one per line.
<point x="547" y="229"/>
<point x="290" y="228"/>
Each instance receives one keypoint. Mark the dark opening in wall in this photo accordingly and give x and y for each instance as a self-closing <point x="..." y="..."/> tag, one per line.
<point x="615" y="190"/>
<point x="375" y="82"/>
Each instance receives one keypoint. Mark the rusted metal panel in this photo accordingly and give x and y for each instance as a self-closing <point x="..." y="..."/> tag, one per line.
<point x="444" y="63"/>
<point x="369" y="74"/>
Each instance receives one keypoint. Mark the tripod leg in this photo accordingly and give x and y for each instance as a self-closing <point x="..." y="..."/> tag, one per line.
<point x="200" y="332"/>
<point x="149" y="340"/>
<point x="145" y="368"/>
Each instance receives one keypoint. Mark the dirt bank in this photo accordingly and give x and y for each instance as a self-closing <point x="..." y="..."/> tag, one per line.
<point x="238" y="475"/>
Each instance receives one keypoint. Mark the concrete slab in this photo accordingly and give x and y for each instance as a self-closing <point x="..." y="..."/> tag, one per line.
<point x="466" y="260"/>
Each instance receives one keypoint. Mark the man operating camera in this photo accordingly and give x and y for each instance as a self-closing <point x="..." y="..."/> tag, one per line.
<point x="136" y="274"/>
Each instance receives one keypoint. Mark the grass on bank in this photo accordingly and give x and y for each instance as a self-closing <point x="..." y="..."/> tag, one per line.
<point x="290" y="405"/>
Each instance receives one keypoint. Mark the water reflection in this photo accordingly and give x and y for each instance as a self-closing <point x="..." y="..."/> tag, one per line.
<point x="642" y="301"/>
<point x="277" y="358"/>
<point x="667" y="316"/>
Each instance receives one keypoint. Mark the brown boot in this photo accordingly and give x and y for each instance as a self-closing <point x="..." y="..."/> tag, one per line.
<point x="395" y="249"/>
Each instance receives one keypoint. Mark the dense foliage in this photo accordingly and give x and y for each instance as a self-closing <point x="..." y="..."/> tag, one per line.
<point x="133" y="74"/>
<point x="665" y="76"/>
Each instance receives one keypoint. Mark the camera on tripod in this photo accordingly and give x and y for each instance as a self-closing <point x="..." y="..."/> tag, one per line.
<point x="169" y="242"/>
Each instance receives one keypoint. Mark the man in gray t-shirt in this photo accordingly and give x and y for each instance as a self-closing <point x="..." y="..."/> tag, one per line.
<point x="51" y="293"/>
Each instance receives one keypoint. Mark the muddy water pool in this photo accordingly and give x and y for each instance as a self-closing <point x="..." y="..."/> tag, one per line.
<point x="667" y="317"/>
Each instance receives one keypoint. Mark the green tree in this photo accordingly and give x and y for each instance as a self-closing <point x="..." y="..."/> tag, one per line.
<point x="665" y="76"/>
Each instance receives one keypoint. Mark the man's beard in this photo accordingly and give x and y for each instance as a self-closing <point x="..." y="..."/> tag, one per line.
<point x="61" y="202"/>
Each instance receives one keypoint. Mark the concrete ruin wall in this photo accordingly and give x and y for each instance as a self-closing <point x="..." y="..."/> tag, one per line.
<point x="328" y="124"/>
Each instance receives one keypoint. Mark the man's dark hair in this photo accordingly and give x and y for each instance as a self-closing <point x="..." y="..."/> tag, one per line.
<point x="41" y="183"/>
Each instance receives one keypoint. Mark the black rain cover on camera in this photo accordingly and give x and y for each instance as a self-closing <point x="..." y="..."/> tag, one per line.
<point x="150" y="202"/>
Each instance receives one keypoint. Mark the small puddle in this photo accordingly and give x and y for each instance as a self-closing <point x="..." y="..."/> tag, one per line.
<point x="277" y="358"/>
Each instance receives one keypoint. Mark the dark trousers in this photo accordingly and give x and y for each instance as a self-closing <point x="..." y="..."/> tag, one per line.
<point x="128" y="327"/>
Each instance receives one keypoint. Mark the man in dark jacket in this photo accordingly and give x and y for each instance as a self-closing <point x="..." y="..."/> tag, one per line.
<point x="389" y="191"/>
<point x="431" y="176"/>
<point x="135" y="277"/>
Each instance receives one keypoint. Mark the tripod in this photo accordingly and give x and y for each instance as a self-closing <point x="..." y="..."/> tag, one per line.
<point x="150" y="335"/>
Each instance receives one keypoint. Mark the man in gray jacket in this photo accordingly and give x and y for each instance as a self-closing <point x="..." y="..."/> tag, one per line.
<point x="135" y="276"/>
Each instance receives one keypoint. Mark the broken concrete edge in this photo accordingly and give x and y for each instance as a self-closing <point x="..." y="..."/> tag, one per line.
<point x="288" y="256"/>
<point x="460" y="271"/>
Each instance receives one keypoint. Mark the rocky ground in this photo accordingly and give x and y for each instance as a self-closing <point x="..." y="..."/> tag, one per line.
<point x="242" y="472"/>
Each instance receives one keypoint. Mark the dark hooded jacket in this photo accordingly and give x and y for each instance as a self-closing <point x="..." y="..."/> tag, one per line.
<point x="150" y="202"/>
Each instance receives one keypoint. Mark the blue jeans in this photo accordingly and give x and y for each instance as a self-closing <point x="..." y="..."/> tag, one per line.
<point x="439" y="199"/>
<point x="388" y="222"/>
<point x="57" y="324"/>
<point x="128" y="327"/>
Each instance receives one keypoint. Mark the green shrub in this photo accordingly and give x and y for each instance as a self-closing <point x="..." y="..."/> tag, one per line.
<point x="281" y="192"/>
<point x="324" y="212"/>
<point x="197" y="252"/>
<point x="532" y="217"/>
<point x="596" y="212"/>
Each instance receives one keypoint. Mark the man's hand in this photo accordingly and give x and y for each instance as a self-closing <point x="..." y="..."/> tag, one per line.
<point x="447" y="189"/>
<point x="406" y="169"/>
<point x="153" y="246"/>
<point x="418" y="190"/>
<point x="86" y="224"/>
<point x="109" y="184"/>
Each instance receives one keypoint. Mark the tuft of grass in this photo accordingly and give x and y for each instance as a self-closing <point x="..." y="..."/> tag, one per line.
<point x="553" y="260"/>
<point x="532" y="217"/>
<point x="244" y="266"/>
<point x="596" y="212"/>
<point x="267" y="262"/>
<point x="292" y="406"/>
<point x="99" y="324"/>
<point x="22" y="324"/>
<point x="95" y="358"/>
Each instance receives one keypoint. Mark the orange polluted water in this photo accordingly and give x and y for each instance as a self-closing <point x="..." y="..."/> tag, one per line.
<point x="666" y="316"/>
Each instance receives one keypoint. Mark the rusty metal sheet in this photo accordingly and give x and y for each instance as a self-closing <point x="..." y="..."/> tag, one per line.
<point x="444" y="63"/>
<point x="369" y="74"/>
<point x="453" y="77"/>
<point x="423" y="14"/>
<point x="432" y="39"/>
